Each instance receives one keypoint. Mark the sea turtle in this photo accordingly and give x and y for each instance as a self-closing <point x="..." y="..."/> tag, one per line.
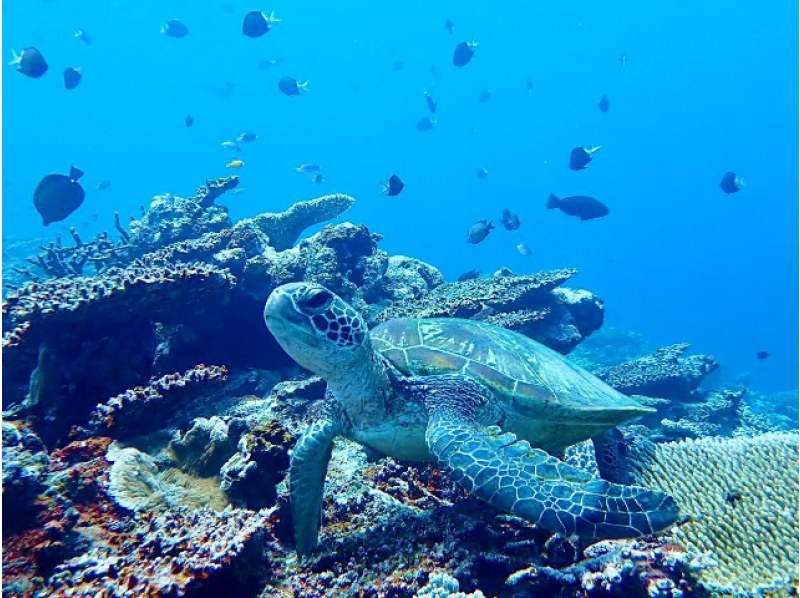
<point x="473" y="397"/>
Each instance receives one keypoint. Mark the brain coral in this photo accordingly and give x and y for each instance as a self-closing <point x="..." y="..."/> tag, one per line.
<point x="741" y="495"/>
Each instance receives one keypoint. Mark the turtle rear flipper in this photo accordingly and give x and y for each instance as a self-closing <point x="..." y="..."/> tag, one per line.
<point x="527" y="482"/>
<point x="307" y="470"/>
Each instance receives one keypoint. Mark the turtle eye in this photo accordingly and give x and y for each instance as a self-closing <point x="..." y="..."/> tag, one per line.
<point x="318" y="300"/>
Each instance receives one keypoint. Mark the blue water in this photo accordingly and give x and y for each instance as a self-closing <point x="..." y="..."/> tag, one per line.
<point x="707" y="87"/>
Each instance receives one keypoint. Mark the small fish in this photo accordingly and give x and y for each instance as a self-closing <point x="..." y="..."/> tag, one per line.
<point x="426" y="123"/>
<point x="731" y="183"/>
<point x="72" y="77"/>
<point x="267" y="63"/>
<point x="523" y="249"/>
<point x="102" y="185"/>
<point x="58" y="195"/>
<point x="29" y="62"/>
<point x="529" y="86"/>
<point x="603" y="104"/>
<point x="762" y="355"/>
<point x="469" y="275"/>
<point x="291" y="87"/>
<point x="257" y="23"/>
<point x="317" y="178"/>
<point x="623" y="60"/>
<point x="485" y="96"/>
<point x="430" y="101"/>
<point x="247" y="137"/>
<point x="510" y="220"/>
<point x="449" y="25"/>
<point x="580" y="206"/>
<point x="479" y="231"/>
<point x="231" y="145"/>
<point x="580" y="157"/>
<point x="308" y="168"/>
<point x="83" y="36"/>
<point x="464" y="53"/>
<point x="393" y="186"/>
<point x="483" y="173"/>
<point x="175" y="28"/>
<point x="398" y="66"/>
<point x="235" y="163"/>
<point x="189" y="121"/>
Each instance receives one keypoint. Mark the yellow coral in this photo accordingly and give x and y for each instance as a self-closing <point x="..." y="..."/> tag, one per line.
<point x="742" y="497"/>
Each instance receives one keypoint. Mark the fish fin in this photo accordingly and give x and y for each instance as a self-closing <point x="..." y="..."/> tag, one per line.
<point x="552" y="202"/>
<point x="75" y="173"/>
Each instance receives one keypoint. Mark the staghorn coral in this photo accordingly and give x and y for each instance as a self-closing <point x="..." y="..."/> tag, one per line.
<point x="665" y="373"/>
<point x="175" y="554"/>
<point x="284" y="228"/>
<point x="741" y="495"/>
<point x="136" y="410"/>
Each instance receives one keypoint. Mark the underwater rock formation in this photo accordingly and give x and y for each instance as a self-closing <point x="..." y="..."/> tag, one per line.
<point x="205" y="447"/>
<point x="666" y="373"/>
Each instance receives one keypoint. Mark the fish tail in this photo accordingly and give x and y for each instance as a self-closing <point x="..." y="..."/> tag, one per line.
<point x="17" y="58"/>
<point x="75" y="173"/>
<point x="272" y="18"/>
<point x="552" y="202"/>
<point x="303" y="86"/>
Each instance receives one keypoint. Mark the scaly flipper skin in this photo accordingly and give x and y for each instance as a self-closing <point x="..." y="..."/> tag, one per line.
<point x="528" y="482"/>
<point x="307" y="470"/>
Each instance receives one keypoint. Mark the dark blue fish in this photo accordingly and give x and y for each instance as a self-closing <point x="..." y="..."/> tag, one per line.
<point x="29" y="62"/>
<point x="393" y="186"/>
<point x="469" y="275"/>
<point x="483" y="173"/>
<point x="449" y="25"/>
<point x="731" y="183"/>
<point x="762" y="355"/>
<point x="175" y="28"/>
<point x="290" y="86"/>
<point x="580" y="206"/>
<point x="58" y="195"/>
<point x="398" y="66"/>
<point x="189" y="121"/>
<point x="603" y="105"/>
<point x="479" y="231"/>
<point x="317" y="178"/>
<point x="580" y="157"/>
<point x="72" y="77"/>
<point x="430" y="101"/>
<point x="485" y="96"/>
<point x="426" y="123"/>
<point x="257" y="23"/>
<point x="464" y="53"/>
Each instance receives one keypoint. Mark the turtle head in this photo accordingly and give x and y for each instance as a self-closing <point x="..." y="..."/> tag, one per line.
<point x="317" y="328"/>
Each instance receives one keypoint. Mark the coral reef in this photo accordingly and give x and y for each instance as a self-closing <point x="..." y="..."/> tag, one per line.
<point x="741" y="495"/>
<point x="205" y="447"/>
<point x="666" y="373"/>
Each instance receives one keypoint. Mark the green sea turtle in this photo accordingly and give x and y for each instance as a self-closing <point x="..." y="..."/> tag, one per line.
<point x="473" y="397"/>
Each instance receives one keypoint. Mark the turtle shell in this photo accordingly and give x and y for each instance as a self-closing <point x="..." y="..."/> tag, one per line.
<point x="544" y="396"/>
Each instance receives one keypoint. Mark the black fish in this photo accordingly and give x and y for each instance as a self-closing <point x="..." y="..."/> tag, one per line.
<point x="175" y="28"/>
<point x="580" y="206"/>
<point x="603" y="105"/>
<point x="470" y="275"/>
<point x="479" y="231"/>
<point x="464" y="53"/>
<point x="510" y="220"/>
<point x="393" y="186"/>
<point x="430" y="101"/>
<point x="580" y="157"/>
<point x="30" y="62"/>
<point x="485" y="96"/>
<point x="290" y="87"/>
<point x="731" y="183"/>
<point x="257" y="23"/>
<point x="72" y="77"/>
<point x="449" y="25"/>
<point x="762" y="355"/>
<point x="189" y="120"/>
<point x="57" y="196"/>
<point x="426" y="123"/>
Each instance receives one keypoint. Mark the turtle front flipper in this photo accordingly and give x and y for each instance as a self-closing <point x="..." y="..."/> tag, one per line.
<point x="307" y="470"/>
<point x="527" y="482"/>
